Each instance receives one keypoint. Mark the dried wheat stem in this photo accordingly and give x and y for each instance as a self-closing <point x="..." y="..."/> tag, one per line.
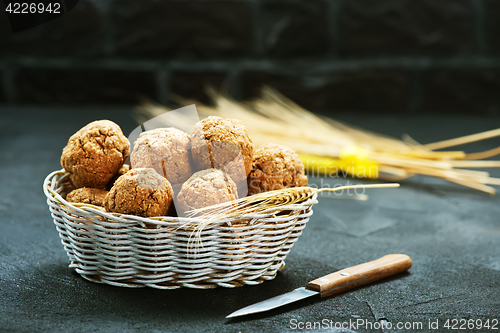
<point x="463" y="140"/>
<point x="394" y="171"/>
<point x="483" y="154"/>
<point x="475" y="164"/>
<point x="466" y="179"/>
<point x="401" y="161"/>
<point x="269" y="200"/>
<point x="436" y="155"/>
<point x="480" y="187"/>
<point x="483" y="180"/>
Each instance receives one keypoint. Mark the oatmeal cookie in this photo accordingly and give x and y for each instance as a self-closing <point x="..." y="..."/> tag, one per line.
<point x="205" y="188"/>
<point x="167" y="150"/>
<point x="94" y="154"/>
<point x="93" y="196"/>
<point x="141" y="192"/>
<point x="275" y="167"/>
<point x="223" y="144"/>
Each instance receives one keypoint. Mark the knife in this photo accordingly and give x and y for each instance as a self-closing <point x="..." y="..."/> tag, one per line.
<point x="335" y="283"/>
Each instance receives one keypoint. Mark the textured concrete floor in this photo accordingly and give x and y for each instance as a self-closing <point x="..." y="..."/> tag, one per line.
<point x="451" y="233"/>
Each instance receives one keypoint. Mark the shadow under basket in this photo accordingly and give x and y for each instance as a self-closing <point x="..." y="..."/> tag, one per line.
<point x="165" y="252"/>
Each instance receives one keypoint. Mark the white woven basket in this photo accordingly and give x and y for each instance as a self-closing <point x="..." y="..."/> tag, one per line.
<point x="160" y="252"/>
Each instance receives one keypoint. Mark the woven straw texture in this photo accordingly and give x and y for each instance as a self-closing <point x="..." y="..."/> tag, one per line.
<point x="163" y="252"/>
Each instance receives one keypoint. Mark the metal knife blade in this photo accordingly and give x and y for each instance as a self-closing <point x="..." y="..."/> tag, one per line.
<point x="275" y="302"/>
<point x="335" y="283"/>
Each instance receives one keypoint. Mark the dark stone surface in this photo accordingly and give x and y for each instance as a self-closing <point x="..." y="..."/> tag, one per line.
<point x="193" y="85"/>
<point x="164" y="29"/>
<point x="451" y="233"/>
<point x="473" y="91"/>
<point x="339" y="90"/>
<point x="295" y="28"/>
<point x="406" y="26"/>
<point x="77" y="33"/>
<point x="492" y="24"/>
<point x="83" y="86"/>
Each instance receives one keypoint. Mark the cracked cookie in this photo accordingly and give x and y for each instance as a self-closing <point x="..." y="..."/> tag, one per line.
<point x="275" y="167"/>
<point x="205" y="188"/>
<point x="223" y="144"/>
<point x="95" y="153"/>
<point x="142" y="192"/>
<point x="93" y="196"/>
<point x="167" y="150"/>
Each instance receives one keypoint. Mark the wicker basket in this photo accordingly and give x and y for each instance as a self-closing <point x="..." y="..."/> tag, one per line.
<point x="131" y="251"/>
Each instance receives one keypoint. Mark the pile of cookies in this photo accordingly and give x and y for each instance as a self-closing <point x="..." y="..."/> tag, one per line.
<point x="171" y="171"/>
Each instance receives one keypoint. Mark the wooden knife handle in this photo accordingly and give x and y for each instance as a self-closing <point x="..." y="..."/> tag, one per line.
<point x="359" y="275"/>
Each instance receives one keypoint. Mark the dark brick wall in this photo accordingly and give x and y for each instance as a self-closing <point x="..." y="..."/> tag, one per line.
<point x="462" y="89"/>
<point x="76" y="34"/>
<point x="3" y="98"/>
<point x="294" y="28"/>
<point x="192" y="84"/>
<point x="492" y="25"/>
<point x="388" y="56"/>
<point x="408" y="27"/>
<point x="170" y="29"/>
<point x="83" y="85"/>
<point x="367" y="89"/>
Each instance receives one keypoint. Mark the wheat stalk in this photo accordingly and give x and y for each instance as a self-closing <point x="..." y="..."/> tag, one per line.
<point x="267" y="201"/>
<point x="275" y="118"/>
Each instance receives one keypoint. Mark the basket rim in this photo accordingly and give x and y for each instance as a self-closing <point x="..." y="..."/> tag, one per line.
<point x="50" y="186"/>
